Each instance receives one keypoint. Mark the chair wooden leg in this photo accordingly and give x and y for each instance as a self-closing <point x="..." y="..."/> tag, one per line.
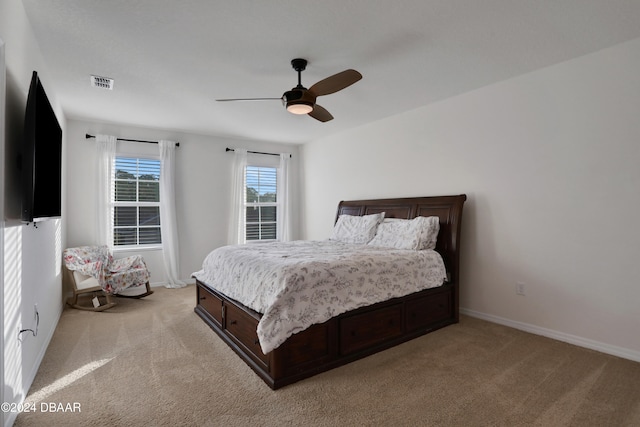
<point x="149" y="292"/>
<point x="73" y="302"/>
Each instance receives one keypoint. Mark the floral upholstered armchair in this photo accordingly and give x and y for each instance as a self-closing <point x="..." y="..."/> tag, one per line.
<point x="93" y="269"/>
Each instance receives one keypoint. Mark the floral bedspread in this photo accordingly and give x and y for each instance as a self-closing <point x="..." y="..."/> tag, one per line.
<point x="302" y="283"/>
<point x="114" y="275"/>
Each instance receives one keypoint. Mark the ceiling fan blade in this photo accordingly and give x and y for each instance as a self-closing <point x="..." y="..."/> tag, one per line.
<point x="248" y="99"/>
<point x="321" y="114"/>
<point x="336" y="82"/>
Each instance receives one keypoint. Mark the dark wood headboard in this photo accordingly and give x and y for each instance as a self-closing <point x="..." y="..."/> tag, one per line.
<point x="447" y="208"/>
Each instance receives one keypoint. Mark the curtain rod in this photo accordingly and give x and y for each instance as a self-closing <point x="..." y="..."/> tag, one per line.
<point x="258" y="152"/>
<point x="132" y="140"/>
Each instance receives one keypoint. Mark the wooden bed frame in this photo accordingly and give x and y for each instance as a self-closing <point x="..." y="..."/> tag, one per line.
<point x="354" y="334"/>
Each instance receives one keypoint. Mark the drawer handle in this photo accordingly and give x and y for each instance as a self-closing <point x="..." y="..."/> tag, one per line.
<point x="233" y="322"/>
<point x="203" y="298"/>
<point x="256" y="342"/>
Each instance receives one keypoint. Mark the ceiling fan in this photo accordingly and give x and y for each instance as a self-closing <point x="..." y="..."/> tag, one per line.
<point x="301" y="100"/>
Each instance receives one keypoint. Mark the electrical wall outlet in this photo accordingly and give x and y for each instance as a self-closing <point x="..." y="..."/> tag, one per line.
<point x="520" y="288"/>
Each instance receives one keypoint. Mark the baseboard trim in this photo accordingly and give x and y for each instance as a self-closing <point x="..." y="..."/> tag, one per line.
<point x="613" y="350"/>
<point x="163" y="284"/>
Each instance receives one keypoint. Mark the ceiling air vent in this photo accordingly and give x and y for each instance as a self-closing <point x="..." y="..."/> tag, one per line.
<point x="102" y="82"/>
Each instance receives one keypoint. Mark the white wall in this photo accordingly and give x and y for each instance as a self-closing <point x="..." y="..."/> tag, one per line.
<point x="550" y="163"/>
<point x="2" y="147"/>
<point x="31" y="262"/>
<point x="203" y="182"/>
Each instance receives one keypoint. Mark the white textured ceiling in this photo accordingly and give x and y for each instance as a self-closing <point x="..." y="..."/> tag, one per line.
<point x="172" y="59"/>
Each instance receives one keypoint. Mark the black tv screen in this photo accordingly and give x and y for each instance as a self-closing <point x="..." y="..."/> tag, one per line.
<point x="41" y="157"/>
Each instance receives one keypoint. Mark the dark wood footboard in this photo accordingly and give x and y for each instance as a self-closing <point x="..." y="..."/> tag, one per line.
<point x="358" y="333"/>
<point x="340" y="340"/>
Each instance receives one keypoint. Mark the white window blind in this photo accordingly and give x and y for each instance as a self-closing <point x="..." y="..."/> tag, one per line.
<point x="261" y="203"/>
<point x="136" y="204"/>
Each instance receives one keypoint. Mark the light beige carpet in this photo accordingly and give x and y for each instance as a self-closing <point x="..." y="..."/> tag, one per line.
<point x="153" y="362"/>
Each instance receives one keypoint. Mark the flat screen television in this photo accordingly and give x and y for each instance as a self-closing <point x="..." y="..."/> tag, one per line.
<point x="41" y="159"/>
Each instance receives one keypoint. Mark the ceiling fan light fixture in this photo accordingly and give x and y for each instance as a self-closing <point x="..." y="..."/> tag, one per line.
<point x="299" y="107"/>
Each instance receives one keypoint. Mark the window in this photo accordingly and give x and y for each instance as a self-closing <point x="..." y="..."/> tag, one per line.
<point x="136" y="204"/>
<point x="261" y="203"/>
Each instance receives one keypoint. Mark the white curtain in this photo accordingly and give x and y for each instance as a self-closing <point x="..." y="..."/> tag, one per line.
<point x="168" y="223"/>
<point x="106" y="147"/>
<point x="237" y="214"/>
<point x="284" y="199"/>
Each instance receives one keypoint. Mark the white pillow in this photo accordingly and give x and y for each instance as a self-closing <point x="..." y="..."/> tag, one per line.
<point x="415" y="234"/>
<point x="356" y="229"/>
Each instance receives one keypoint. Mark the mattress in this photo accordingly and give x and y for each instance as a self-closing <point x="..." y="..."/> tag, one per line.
<point x="298" y="284"/>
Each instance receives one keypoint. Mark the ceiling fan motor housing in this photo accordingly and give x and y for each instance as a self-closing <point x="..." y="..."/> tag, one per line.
<point x="299" y="100"/>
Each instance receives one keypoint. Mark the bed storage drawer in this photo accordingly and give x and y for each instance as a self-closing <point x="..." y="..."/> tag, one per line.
<point x="370" y="328"/>
<point x="423" y="312"/>
<point x="211" y="303"/>
<point x="243" y="327"/>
